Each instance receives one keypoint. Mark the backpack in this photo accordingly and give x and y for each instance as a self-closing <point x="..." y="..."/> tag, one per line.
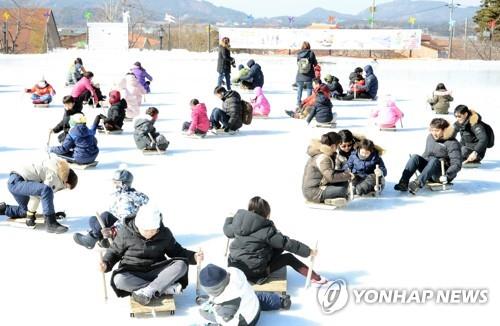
<point x="490" y="134"/>
<point x="246" y="112"/>
<point x="304" y="66"/>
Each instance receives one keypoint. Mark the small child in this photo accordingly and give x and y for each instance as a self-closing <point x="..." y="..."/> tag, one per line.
<point x="440" y="100"/>
<point x="260" y="104"/>
<point x="145" y="135"/>
<point x="257" y="249"/>
<point x="359" y="81"/>
<point x="242" y="72"/>
<point x="125" y="201"/>
<point x="333" y="84"/>
<point x="345" y="148"/>
<point x="70" y="108"/>
<point x="362" y="163"/>
<point x="152" y="262"/>
<point x="141" y="74"/>
<point x="41" y="93"/>
<point x="116" y="112"/>
<point x="199" y="123"/>
<point x="80" y="145"/>
<point x="132" y="92"/>
<point x="232" y="301"/>
<point x="322" y="110"/>
<point x="387" y="114"/>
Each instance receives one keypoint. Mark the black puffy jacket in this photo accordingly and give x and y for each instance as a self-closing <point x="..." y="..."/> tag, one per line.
<point x="255" y="240"/>
<point x="232" y="106"/>
<point x="224" y="60"/>
<point x="116" y="113"/>
<point x="322" y="109"/>
<point x="447" y="148"/>
<point x="255" y="75"/>
<point x="473" y="134"/>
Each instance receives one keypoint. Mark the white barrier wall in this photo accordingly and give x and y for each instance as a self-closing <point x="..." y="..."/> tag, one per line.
<point x="323" y="39"/>
<point x="108" y="36"/>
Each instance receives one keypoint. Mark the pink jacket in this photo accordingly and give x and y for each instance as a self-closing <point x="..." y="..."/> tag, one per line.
<point x="260" y="104"/>
<point x="82" y="85"/>
<point x="132" y="92"/>
<point x="199" y="119"/>
<point x="387" y="115"/>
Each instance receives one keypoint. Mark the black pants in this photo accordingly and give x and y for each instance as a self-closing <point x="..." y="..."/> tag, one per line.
<point x="95" y="227"/>
<point x="337" y="190"/>
<point x="365" y="185"/>
<point x="429" y="170"/>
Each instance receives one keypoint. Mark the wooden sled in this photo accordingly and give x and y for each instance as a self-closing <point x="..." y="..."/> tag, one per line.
<point x="195" y="136"/>
<point x="110" y="132"/>
<point x="325" y="125"/>
<point x="471" y="165"/>
<point x="258" y="116"/>
<point x="331" y="206"/>
<point x="388" y="129"/>
<point x="83" y="166"/>
<point x="220" y="132"/>
<point x="437" y="186"/>
<point x="153" y="152"/>
<point x="21" y="222"/>
<point x="41" y="105"/>
<point x="164" y="305"/>
<point x="276" y="282"/>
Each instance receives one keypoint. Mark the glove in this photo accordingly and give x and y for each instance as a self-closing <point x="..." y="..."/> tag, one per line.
<point x="27" y="90"/>
<point x="443" y="179"/>
<point x="109" y="233"/>
<point x="60" y="215"/>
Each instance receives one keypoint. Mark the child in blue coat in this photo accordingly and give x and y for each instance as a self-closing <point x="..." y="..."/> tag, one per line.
<point x="362" y="163"/>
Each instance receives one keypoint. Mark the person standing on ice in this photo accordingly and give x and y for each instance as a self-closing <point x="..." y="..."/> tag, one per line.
<point x="38" y="182"/>
<point x="224" y="63"/>
<point x="152" y="262"/>
<point x="133" y="92"/>
<point x="125" y="202"/>
<point x="142" y="76"/>
<point x="258" y="246"/>
<point x="306" y="61"/>
<point x="440" y="145"/>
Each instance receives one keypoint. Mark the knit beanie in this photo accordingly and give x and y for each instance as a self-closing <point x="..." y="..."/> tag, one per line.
<point x="114" y="97"/>
<point x="214" y="279"/>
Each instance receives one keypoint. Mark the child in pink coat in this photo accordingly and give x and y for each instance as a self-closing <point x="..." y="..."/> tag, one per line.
<point x="387" y="114"/>
<point x="199" y="123"/>
<point x="260" y="104"/>
<point x="132" y="92"/>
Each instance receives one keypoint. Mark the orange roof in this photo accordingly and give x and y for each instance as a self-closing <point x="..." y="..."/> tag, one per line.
<point x="32" y="23"/>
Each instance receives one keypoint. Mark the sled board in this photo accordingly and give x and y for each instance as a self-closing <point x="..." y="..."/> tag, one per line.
<point x="111" y="132"/>
<point x="83" y="166"/>
<point x="153" y="152"/>
<point x="437" y="186"/>
<point x="325" y="125"/>
<point x="41" y="105"/>
<point x="276" y="282"/>
<point x="224" y="134"/>
<point x="128" y="119"/>
<point x="195" y="136"/>
<point x="258" y="116"/>
<point x="471" y="165"/>
<point x="388" y="129"/>
<point x="322" y="206"/>
<point x="162" y="305"/>
<point x="21" y="222"/>
<point x="365" y="99"/>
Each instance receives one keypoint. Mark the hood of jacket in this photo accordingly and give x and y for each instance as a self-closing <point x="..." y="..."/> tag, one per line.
<point x="474" y="118"/>
<point x="250" y="63"/>
<point x="246" y="222"/>
<point x="80" y="130"/>
<point x="200" y="107"/>
<point x="316" y="147"/>
<point x="368" y="70"/>
<point x="258" y="91"/>
<point x="306" y="53"/>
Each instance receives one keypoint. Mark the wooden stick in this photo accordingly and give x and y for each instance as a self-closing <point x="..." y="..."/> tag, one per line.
<point x="401" y="122"/>
<point x="198" y="269"/>
<point x="104" y="281"/>
<point x="377" y="182"/>
<point x="227" y="247"/>
<point x="443" y="173"/>
<point x="48" y="143"/>
<point x="311" y="266"/>
<point x="154" y="142"/>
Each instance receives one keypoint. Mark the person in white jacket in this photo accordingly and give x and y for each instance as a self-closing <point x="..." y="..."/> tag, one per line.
<point x="232" y="300"/>
<point x="38" y="182"/>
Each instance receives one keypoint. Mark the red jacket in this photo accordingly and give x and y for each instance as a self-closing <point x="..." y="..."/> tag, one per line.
<point x="41" y="91"/>
<point x="311" y="99"/>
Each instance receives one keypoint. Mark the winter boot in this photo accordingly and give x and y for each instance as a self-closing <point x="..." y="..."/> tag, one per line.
<point x="338" y="202"/>
<point x="30" y="218"/>
<point x="3" y="207"/>
<point x="175" y="288"/>
<point x="414" y="187"/>
<point x="142" y="296"/>
<point x="52" y="226"/>
<point x="285" y="302"/>
<point x="401" y="186"/>
<point x="85" y="240"/>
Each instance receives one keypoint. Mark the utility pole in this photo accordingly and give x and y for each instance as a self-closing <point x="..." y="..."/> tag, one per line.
<point x="209" y="40"/>
<point x="451" y="28"/>
<point x="373" y="13"/>
<point x="465" y="39"/>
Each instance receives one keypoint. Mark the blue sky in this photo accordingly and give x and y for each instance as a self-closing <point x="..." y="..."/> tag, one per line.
<point x="269" y="8"/>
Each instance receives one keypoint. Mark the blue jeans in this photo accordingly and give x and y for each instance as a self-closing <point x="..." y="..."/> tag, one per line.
<point x="227" y="76"/>
<point x="269" y="301"/>
<point x="218" y="118"/>
<point x="21" y="190"/>
<point x="429" y="170"/>
<point x="300" y="88"/>
<point x="95" y="228"/>
<point x="44" y="98"/>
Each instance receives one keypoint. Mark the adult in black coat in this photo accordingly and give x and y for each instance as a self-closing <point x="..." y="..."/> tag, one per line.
<point x="257" y="248"/>
<point x="440" y="145"/>
<point x="70" y="107"/>
<point x="473" y="136"/>
<point x="230" y="117"/>
<point x="224" y="63"/>
<point x="255" y="77"/>
<point x="151" y="260"/>
<point x="304" y="78"/>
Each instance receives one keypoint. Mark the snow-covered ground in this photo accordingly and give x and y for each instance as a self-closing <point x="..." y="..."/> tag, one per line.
<point x="433" y="240"/>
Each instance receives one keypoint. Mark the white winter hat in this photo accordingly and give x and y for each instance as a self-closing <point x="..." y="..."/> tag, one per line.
<point x="148" y="218"/>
